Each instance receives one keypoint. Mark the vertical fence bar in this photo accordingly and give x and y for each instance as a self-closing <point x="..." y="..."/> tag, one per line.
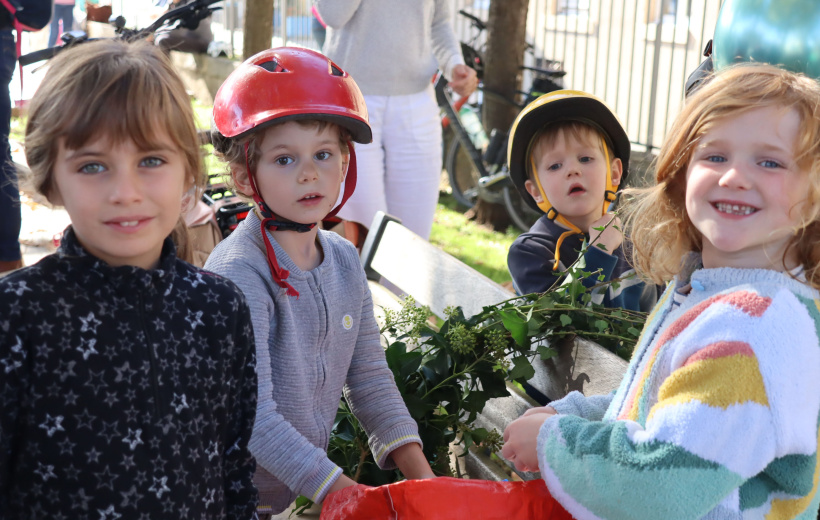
<point x="586" y="46"/>
<point x="620" y="55"/>
<point x="653" y="88"/>
<point x="631" y="67"/>
<point x="672" y="61"/>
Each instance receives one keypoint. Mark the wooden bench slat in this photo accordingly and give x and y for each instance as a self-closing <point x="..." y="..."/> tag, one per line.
<point x="580" y="365"/>
<point x="431" y="276"/>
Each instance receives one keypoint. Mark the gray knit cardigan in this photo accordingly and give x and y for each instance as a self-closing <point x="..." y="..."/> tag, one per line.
<point x="308" y="349"/>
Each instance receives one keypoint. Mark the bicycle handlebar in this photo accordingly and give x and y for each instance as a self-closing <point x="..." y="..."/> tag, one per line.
<point x="551" y="73"/>
<point x="43" y="54"/>
<point x="195" y="11"/>
<point x="478" y="22"/>
<point x="188" y="15"/>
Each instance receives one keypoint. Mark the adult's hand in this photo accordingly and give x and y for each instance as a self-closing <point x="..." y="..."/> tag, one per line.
<point x="464" y="80"/>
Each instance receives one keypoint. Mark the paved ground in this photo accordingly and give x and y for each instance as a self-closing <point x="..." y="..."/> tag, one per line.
<point x="41" y="229"/>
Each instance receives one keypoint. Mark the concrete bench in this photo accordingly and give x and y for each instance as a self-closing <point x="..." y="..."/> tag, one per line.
<point x="436" y="279"/>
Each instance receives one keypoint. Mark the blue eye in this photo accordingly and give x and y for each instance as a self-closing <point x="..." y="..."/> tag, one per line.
<point x="554" y="167"/>
<point x="768" y="163"/>
<point x="585" y="159"/>
<point x="152" y="162"/>
<point x="91" y="168"/>
<point x="716" y="158"/>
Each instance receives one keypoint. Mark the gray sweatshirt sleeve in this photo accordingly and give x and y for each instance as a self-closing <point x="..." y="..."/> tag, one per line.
<point x="372" y="394"/>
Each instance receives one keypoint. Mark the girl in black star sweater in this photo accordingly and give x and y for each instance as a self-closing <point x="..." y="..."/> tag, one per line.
<point x="127" y="376"/>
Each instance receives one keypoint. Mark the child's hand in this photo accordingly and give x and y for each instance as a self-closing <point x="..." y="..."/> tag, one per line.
<point x="341" y="483"/>
<point x="412" y="462"/>
<point x="540" y="409"/>
<point x="521" y="441"/>
<point x="611" y="237"/>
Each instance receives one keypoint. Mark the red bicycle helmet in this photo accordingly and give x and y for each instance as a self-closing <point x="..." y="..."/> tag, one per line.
<point x="287" y="84"/>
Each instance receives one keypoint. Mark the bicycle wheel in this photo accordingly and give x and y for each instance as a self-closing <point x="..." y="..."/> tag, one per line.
<point x="520" y="213"/>
<point x="462" y="175"/>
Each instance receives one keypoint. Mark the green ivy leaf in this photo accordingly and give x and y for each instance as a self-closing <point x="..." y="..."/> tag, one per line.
<point x="417" y="407"/>
<point x="479" y="435"/>
<point x="408" y="364"/>
<point x="522" y="369"/>
<point x="301" y="504"/>
<point x="601" y="325"/>
<point x="517" y="326"/>
<point x="467" y="438"/>
<point x="635" y="332"/>
<point x="535" y="324"/>
<point x="545" y="301"/>
<point x="475" y="401"/>
<point x="565" y="319"/>
<point x="394" y="352"/>
<point x="546" y="352"/>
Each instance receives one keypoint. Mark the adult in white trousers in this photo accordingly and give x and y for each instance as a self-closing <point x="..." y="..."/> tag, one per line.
<point x="392" y="48"/>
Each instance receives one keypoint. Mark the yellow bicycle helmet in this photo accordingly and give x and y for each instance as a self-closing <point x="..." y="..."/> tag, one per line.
<point x="562" y="106"/>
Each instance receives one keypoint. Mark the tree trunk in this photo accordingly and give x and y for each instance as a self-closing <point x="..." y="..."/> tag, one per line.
<point x="506" y="42"/>
<point x="258" y="27"/>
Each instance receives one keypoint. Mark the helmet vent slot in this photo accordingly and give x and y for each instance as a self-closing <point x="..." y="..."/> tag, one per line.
<point x="272" y="66"/>
<point x="336" y="71"/>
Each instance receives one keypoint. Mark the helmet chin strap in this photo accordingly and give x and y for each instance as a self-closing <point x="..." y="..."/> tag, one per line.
<point x="271" y="221"/>
<point x="546" y="206"/>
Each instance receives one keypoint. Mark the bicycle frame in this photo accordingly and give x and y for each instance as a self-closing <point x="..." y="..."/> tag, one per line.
<point x="488" y="177"/>
<point x="446" y="103"/>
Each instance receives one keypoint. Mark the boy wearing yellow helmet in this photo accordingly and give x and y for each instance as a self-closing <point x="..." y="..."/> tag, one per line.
<point x="567" y="156"/>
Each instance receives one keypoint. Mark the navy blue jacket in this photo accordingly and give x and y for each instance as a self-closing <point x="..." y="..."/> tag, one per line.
<point x="531" y="257"/>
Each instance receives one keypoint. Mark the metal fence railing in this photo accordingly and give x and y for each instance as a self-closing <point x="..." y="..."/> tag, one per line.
<point x="635" y="54"/>
<point x="291" y="23"/>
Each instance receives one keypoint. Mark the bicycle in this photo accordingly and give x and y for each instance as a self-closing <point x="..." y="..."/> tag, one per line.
<point x="476" y="164"/>
<point x="226" y="207"/>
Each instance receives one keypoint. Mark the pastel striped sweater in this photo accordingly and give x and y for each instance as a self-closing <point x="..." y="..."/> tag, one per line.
<point x="716" y="417"/>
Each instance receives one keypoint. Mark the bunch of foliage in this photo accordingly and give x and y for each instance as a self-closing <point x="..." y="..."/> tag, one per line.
<point x="447" y="372"/>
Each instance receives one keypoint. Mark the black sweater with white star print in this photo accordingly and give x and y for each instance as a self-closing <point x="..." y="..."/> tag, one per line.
<point x="125" y="393"/>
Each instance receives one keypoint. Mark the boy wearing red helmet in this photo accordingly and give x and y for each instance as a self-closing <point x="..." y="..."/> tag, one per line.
<point x="285" y="120"/>
<point x="567" y="154"/>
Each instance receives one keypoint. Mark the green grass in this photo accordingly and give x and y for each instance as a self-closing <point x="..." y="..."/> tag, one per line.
<point x="18" y="129"/>
<point x="202" y="114"/>
<point x="477" y="246"/>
